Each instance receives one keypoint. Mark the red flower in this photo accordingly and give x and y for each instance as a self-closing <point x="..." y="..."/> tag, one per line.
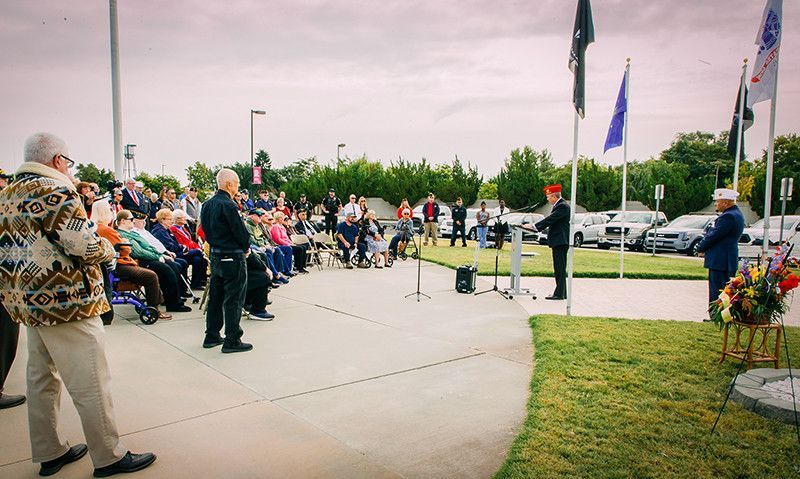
<point x="789" y="283"/>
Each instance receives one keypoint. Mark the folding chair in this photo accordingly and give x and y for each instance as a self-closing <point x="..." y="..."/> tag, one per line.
<point x="326" y="246"/>
<point x="311" y="250"/>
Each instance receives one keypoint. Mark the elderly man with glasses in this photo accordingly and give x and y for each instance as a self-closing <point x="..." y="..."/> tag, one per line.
<point x="55" y="289"/>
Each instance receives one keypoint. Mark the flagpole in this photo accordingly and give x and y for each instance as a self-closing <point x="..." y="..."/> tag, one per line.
<point x="572" y="198"/>
<point x="624" y="169"/>
<point x="770" y="159"/>
<point x="740" y="127"/>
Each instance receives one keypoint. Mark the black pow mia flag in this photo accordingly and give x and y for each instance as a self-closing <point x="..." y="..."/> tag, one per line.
<point x="582" y="36"/>
<point x="748" y="122"/>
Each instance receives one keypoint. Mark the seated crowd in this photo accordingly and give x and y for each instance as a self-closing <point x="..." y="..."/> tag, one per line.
<point x="161" y="247"/>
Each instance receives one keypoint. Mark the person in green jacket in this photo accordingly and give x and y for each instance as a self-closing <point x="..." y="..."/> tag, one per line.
<point x="149" y="258"/>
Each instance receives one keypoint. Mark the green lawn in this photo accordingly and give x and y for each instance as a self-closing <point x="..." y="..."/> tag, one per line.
<point x="589" y="263"/>
<point x="613" y="398"/>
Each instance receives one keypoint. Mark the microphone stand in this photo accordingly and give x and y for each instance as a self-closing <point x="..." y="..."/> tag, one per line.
<point x="418" y="293"/>
<point x="497" y="250"/>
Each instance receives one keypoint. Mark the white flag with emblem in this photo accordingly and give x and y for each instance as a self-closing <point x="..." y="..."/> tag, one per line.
<point x="765" y="69"/>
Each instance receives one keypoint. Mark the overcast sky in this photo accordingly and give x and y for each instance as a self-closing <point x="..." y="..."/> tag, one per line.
<point x="388" y="78"/>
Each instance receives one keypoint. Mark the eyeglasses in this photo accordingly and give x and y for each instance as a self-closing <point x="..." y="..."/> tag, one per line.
<point x="70" y="163"/>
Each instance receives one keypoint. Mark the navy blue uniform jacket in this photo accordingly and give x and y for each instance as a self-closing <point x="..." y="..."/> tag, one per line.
<point x="721" y="242"/>
<point x="558" y="223"/>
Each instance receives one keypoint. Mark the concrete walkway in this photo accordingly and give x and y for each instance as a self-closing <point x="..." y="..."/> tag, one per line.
<point x="351" y="380"/>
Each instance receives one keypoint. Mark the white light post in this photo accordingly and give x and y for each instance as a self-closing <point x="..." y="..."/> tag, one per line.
<point x="659" y="195"/>
<point x="253" y="112"/>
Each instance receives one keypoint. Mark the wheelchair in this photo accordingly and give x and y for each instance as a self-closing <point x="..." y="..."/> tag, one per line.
<point x="123" y="292"/>
<point x="372" y="261"/>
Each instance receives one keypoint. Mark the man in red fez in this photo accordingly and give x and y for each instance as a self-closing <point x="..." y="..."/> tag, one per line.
<point x="557" y="223"/>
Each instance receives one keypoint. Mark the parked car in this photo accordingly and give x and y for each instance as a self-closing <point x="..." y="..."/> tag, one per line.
<point x="682" y="235"/>
<point x="754" y="235"/>
<point x="637" y="224"/>
<point x="446" y="226"/>
<point x="524" y="219"/>
<point x="587" y="228"/>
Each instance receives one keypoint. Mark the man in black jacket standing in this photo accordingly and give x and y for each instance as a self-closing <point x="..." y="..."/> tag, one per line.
<point x="459" y="221"/>
<point x="557" y="237"/>
<point x="230" y="246"/>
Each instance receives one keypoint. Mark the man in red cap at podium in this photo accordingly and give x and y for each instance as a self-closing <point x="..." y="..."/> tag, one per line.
<point x="557" y="223"/>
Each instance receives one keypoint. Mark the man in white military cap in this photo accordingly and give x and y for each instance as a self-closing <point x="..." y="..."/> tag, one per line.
<point x="721" y="242"/>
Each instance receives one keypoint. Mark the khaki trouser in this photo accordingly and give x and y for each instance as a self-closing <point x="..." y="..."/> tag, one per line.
<point x="75" y="351"/>
<point x="431" y="229"/>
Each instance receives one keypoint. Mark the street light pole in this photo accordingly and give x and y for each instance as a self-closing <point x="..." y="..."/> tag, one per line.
<point x="339" y="147"/>
<point x="253" y="112"/>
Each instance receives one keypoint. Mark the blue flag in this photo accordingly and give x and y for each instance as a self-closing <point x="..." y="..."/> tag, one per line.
<point x="614" y="138"/>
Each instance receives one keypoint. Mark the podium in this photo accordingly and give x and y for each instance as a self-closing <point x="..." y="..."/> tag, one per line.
<point x="515" y="288"/>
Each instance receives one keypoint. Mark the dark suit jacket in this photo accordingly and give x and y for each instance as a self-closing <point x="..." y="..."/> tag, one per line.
<point x="558" y="223"/>
<point x="721" y="242"/>
<point x="129" y="204"/>
<point x="301" y="228"/>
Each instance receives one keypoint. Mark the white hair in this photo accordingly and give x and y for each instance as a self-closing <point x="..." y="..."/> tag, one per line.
<point x="225" y="176"/>
<point x="101" y="213"/>
<point x="43" y="147"/>
<point x="178" y="214"/>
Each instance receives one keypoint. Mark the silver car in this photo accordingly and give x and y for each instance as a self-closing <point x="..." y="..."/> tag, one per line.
<point x="587" y="228"/>
<point x="682" y="235"/>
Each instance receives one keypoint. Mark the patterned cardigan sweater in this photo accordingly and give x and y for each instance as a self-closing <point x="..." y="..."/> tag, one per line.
<point x="50" y="252"/>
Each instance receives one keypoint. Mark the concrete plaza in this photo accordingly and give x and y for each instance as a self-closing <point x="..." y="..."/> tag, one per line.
<point x="351" y="380"/>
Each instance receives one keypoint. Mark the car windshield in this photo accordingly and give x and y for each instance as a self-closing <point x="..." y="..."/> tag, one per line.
<point x="775" y="223"/>
<point x="634" y="218"/>
<point x="690" y="222"/>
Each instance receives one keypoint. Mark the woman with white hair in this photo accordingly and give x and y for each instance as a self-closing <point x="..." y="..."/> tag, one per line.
<point x="404" y="231"/>
<point x="193" y="256"/>
<point x="373" y="232"/>
<point x="127" y="268"/>
<point x="180" y="229"/>
<point x="281" y="237"/>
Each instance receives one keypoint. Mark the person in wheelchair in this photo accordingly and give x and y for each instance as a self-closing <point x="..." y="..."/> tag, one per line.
<point x="127" y="268"/>
<point x="194" y="257"/>
<point x="151" y="259"/>
<point x="404" y="231"/>
<point x="347" y="235"/>
<point x="372" y="231"/>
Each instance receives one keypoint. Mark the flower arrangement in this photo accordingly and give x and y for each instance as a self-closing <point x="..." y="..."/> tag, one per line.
<point x="757" y="294"/>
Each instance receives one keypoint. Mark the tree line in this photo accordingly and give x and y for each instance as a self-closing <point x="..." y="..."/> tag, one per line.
<point x="690" y="168"/>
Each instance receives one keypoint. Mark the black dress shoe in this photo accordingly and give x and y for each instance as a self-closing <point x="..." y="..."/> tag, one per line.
<point x="209" y="343"/>
<point x="238" y="347"/>
<point x="51" y="467"/>
<point x="555" y="298"/>
<point x="179" y="309"/>
<point x="7" y="401"/>
<point x="130" y="463"/>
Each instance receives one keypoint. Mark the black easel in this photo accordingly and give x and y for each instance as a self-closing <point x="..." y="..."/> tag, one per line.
<point x="788" y="362"/>
<point x="418" y="293"/>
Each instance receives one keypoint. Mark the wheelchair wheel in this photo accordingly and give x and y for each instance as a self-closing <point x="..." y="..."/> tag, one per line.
<point x="149" y="315"/>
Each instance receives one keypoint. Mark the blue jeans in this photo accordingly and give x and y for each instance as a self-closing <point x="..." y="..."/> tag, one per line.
<point x="287" y="258"/>
<point x="482" y="230"/>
